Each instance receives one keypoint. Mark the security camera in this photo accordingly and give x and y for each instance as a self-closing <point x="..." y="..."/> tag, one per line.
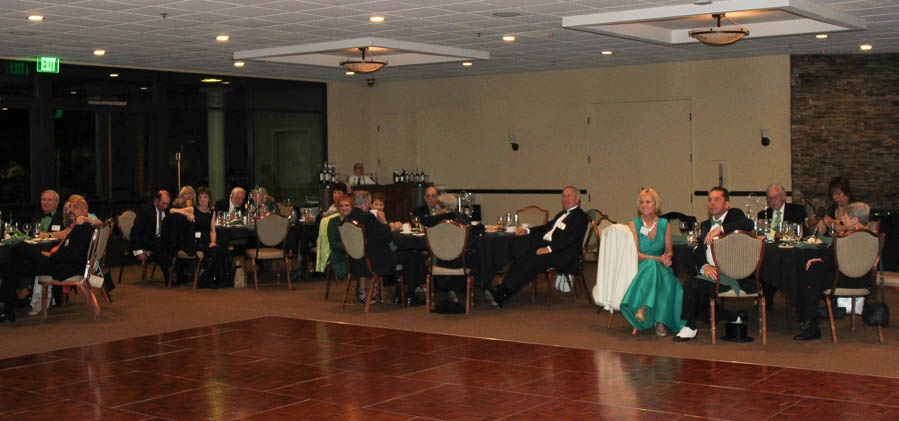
<point x="370" y="82"/>
<point x="513" y="142"/>
<point x="765" y="139"/>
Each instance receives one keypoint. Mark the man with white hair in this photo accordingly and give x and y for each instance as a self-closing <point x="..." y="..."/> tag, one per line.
<point x="558" y="245"/>
<point x="50" y="218"/>
<point x="778" y="210"/>
<point x="234" y="202"/>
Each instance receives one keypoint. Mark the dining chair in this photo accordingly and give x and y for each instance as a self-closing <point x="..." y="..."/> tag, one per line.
<point x="576" y="269"/>
<point x="616" y="267"/>
<point x="532" y="215"/>
<point x="271" y="231"/>
<point x="100" y="263"/>
<point x="352" y="235"/>
<point x="125" y="222"/>
<point x="81" y="281"/>
<point x="739" y="255"/>
<point x="855" y="254"/>
<point x="197" y="259"/>
<point x="601" y="221"/>
<point x="447" y="242"/>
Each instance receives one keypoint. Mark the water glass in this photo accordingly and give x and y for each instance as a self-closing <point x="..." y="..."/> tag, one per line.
<point x="26" y="228"/>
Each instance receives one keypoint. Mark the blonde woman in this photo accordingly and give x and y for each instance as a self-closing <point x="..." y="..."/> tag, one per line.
<point x="655" y="295"/>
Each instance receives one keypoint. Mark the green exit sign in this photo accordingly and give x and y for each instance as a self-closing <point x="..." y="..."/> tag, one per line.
<point x="48" y="64"/>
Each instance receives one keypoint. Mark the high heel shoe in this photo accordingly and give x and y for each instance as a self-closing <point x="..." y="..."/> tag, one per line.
<point x="640" y="315"/>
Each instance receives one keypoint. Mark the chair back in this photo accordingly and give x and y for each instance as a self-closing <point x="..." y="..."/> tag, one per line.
<point x="126" y="222"/>
<point x="352" y="235"/>
<point x="856" y="252"/>
<point x="91" y="254"/>
<point x="102" y="241"/>
<point x="447" y="240"/>
<point x="602" y="221"/>
<point x="738" y="254"/>
<point x="272" y="229"/>
<point x="589" y="233"/>
<point x="533" y="215"/>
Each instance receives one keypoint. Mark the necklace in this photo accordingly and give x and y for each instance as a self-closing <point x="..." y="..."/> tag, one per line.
<point x="647" y="226"/>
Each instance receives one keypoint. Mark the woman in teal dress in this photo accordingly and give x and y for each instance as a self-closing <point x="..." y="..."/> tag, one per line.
<point x="655" y="295"/>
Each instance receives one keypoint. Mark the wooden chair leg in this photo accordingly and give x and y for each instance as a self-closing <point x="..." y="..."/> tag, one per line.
<point x="763" y="319"/>
<point x="611" y="316"/>
<point x="287" y="272"/>
<point x="880" y="333"/>
<point x="106" y="295"/>
<point x="586" y="290"/>
<point x="533" y="290"/>
<point x="328" y="273"/>
<point x="427" y="293"/>
<point x="91" y="298"/>
<point x="712" y="321"/>
<point x="45" y="301"/>
<point x="468" y="294"/>
<point x="143" y="275"/>
<point x="381" y="289"/>
<point x="346" y="295"/>
<point x="153" y="272"/>
<point x="852" y="314"/>
<point x="371" y="292"/>
<point x="255" y="274"/>
<point x="197" y="263"/>
<point x="833" y="330"/>
<point x="121" y="269"/>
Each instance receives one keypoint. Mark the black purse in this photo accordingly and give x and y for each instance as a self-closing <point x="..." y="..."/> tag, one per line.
<point x="876" y="313"/>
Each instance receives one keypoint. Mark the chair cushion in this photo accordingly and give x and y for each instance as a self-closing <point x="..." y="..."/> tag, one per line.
<point x="441" y="271"/>
<point x="849" y="292"/>
<point x="732" y="294"/>
<point x="266" y="253"/>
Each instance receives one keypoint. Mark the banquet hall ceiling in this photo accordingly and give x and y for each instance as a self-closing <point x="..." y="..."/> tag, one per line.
<point x="180" y="34"/>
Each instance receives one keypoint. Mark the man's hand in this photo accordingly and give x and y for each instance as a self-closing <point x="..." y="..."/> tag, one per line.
<point x="541" y="250"/>
<point x="809" y="263"/>
<point x="81" y="219"/>
<point x="396" y="226"/>
<point x="711" y="272"/>
<point x="521" y="231"/>
<point x="211" y="244"/>
<point x="309" y="219"/>
<point x="382" y="217"/>
<point x="712" y="234"/>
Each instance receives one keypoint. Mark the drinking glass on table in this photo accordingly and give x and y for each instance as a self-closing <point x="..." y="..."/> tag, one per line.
<point x="26" y="228"/>
<point x="416" y="223"/>
<point x="683" y="227"/>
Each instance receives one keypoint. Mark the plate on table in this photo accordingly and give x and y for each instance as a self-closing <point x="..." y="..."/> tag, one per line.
<point x="41" y="240"/>
<point x="418" y="234"/>
<point x="785" y="246"/>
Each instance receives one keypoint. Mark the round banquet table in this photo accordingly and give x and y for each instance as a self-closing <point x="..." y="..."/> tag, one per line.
<point x="493" y="251"/>
<point x="781" y="267"/>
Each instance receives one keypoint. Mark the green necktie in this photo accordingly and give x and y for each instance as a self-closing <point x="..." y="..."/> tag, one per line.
<point x="777" y="221"/>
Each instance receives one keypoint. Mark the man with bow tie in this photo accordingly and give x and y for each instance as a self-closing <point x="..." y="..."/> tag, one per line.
<point x="697" y="291"/>
<point x="559" y="244"/>
<point x="146" y="234"/>
<point x="50" y="218"/>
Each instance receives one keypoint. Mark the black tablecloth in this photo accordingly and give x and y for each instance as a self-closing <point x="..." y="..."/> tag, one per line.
<point x="781" y="267"/>
<point x="492" y="251"/>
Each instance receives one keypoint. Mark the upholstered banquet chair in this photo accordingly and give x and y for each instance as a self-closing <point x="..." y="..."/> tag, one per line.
<point x="616" y="267"/>
<point x="447" y="242"/>
<point x="125" y="221"/>
<point x="739" y="255"/>
<point x="856" y="254"/>
<point x="532" y="215"/>
<point x="271" y="231"/>
<point x="352" y="235"/>
<point x="82" y="281"/>
<point x="577" y="269"/>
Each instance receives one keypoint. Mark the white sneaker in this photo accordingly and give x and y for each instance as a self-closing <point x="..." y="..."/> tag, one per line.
<point x="35" y="310"/>
<point x="685" y="334"/>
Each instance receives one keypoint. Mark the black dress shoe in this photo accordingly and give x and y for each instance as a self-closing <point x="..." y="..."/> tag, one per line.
<point x="9" y="316"/>
<point x="808" y="334"/>
<point x="493" y="297"/>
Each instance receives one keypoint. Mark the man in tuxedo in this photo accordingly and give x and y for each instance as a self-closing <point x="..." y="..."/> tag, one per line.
<point x="697" y="291"/>
<point x="50" y="217"/>
<point x="146" y="234"/>
<point x="430" y="206"/>
<point x="559" y="244"/>
<point x="359" y="178"/>
<point x="378" y="238"/>
<point x="63" y="261"/>
<point x="234" y="202"/>
<point x="778" y="212"/>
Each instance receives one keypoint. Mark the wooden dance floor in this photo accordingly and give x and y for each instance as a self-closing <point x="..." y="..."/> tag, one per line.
<point x="289" y="369"/>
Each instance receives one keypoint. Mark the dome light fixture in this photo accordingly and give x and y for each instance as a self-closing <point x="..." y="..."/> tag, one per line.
<point x="369" y="65"/>
<point x="718" y="36"/>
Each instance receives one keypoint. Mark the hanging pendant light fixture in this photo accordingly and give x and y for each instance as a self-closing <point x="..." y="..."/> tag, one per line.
<point x="719" y="36"/>
<point x="369" y="65"/>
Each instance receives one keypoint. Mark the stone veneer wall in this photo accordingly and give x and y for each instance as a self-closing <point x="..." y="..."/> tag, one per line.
<point x="845" y="121"/>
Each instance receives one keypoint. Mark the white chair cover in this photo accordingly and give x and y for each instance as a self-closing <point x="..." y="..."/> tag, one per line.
<point x="615" y="267"/>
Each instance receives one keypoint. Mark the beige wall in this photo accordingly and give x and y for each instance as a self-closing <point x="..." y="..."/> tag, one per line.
<point x="457" y="128"/>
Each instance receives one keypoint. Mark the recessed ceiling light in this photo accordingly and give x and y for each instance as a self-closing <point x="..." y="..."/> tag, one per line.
<point x="466" y="63"/>
<point x="239" y="63"/>
<point x="99" y="52"/>
<point x="113" y="75"/>
<point x="73" y="92"/>
<point x="350" y="73"/>
<point x="606" y="52"/>
<point x="35" y="18"/>
<point x="865" y="47"/>
<point x="222" y="38"/>
<point x="210" y="80"/>
<point x="508" y="38"/>
<point x="144" y="88"/>
<point x="821" y="36"/>
<point x="376" y="19"/>
<point x="506" y="14"/>
<point x="226" y="83"/>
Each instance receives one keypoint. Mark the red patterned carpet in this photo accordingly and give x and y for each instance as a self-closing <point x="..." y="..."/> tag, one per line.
<point x="277" y="368"/>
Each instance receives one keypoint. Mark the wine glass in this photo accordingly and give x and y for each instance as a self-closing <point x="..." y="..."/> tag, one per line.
<point x="683" y="227"/>
<point x="26" y="228"/>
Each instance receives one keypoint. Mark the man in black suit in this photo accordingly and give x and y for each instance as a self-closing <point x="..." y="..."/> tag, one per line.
<point x="378" y="238"/>
<point x="234" y="202"/>
<point x="429" y="208"/>
<point x="778" y="212"/>
<point x="146" y="234"/>
<point x="559" y="244"/>
<point x="65" y="260"/>
<point x="50" y="217"/>
<point x="697" y="291"/>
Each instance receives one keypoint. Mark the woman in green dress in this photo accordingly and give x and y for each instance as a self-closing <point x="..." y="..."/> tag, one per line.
<point x="655" y="295"/>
